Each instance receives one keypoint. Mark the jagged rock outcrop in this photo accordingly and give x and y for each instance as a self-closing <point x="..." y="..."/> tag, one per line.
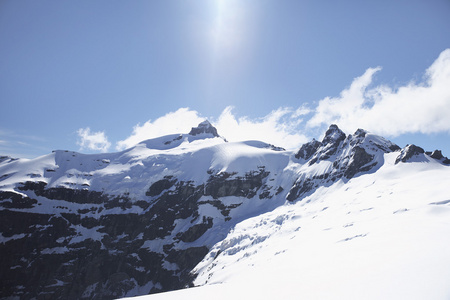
<point x="247" y="186"/>
<point x="336" y="157"/>
<point x="91" y="245"/>
<point x="437" y="154"/>
<point x="104" y="226"/>
<point x="308" y="149"/>
<point x="204" y="127"/>
<point x="408" y="153"/>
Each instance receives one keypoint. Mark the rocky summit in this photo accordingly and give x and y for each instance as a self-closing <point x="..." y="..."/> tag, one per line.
<point x="204" y="127"/>
<point x="135" y="222"/>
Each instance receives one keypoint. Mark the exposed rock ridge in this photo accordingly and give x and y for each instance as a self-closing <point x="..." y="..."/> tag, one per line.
<point x="408" y="153"/>
<point x="437" y="154"/>
<point x="91" y="245"/>
<point x="75" y="226"/>
<point x="204" y="127"/>
<point x="413" y="153"/>
<point x="340" y="157"/>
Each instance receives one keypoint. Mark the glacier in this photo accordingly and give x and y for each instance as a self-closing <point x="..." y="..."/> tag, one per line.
<point x="350" y="216"/>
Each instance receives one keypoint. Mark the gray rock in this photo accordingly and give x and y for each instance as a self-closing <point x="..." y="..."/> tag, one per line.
<point x="409" y="152"/>
<point x="204" y="127"/>
<point x="307" y="150"/>
<point x="437" y="154"/>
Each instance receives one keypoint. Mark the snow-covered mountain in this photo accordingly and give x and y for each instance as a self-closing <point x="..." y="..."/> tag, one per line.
<point x="382" y="235"/>
<point x="193" y="208"/>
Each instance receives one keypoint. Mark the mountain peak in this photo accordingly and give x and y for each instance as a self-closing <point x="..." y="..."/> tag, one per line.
<point x="170" y="199"/>
<point x="204" y="127"/>
<point x="409" y="152"/>
<point x="360" y="133"/>
<point x="333" y="135"/>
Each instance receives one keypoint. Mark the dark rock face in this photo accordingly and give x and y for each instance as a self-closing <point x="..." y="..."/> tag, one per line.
<point x="161" y="185"/>
<point x="75" y="196"/>
<point x="359" y="162"/>
<point x="173" y="140"/>
<point x="409" y="152"/>
<point x="80" y="243"/>
<point x="16" y="200"/>
<point x="331" y="142"/>
<point x="301" y="187"/>
<point x="5" y="158"/>
<point x="222" y="186"/>
<point x="437" y="154"/>
<point x="90" y="245"/>
<point x="196" y="231"/>
<point x="204" y="127"/>
<point x="333" y="135"/>
<point x="308" y="149"/>
<point x="187" y="259"/>
<point x="346" y="157"/>
<point x="276" y="148"/>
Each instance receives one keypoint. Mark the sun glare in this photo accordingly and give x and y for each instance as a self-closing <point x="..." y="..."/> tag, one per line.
<point x="228" y="27"/>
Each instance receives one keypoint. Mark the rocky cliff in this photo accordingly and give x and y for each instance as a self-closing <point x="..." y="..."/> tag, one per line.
<point x="103" y="226"/>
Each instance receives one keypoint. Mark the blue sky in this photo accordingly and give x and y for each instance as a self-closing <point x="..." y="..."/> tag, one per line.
<point x="98" y="76"/>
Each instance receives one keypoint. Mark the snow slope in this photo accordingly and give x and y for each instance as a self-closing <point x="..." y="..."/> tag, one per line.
<point x="153" y="211"/>
<point x="384" y="235"/>
<point x="348" y="215"/>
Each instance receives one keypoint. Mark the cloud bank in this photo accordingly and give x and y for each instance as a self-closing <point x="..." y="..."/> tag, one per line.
<point x="96" y="141"/>
<point x="179" y="121"/>
<point x="417" y="107"/>
<point x="280" y="127"/>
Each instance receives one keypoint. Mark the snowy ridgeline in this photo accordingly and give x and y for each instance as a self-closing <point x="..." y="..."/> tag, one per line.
<point x="379" y="236"/>
<point x="351" y="216"/>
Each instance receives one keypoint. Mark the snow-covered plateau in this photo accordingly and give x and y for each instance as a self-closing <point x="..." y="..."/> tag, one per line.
<point x="349" y="217"/>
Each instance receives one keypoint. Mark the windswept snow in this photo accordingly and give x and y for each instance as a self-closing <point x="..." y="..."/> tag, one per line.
<point x="344" y="218"/>
<point x="383" y="235"/>
<point x="188" y="157"/>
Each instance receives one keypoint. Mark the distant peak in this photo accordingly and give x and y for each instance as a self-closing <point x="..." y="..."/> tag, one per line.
<point x="333" y="135"/>
<point x="360" y="132"/>
<point x="409" y="152"/>
<point x="437" y="154"/>
<point x="204" y="127"/>
<point x="205" y="124"/>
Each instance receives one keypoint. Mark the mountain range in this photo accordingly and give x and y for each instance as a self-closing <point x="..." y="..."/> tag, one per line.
<point x="193" y="209"/>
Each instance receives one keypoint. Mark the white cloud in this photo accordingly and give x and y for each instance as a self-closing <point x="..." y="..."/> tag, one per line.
<point x="229" y="26"/>
<point x="417" y="107"/>
<point x="179" y="121"/>
<point x="96" y="141"/>
<point x="280" y="127"/>
<point x="224" y="36"/>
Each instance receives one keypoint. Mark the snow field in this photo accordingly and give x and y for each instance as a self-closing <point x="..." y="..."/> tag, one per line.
<point x="379" y="236"/>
